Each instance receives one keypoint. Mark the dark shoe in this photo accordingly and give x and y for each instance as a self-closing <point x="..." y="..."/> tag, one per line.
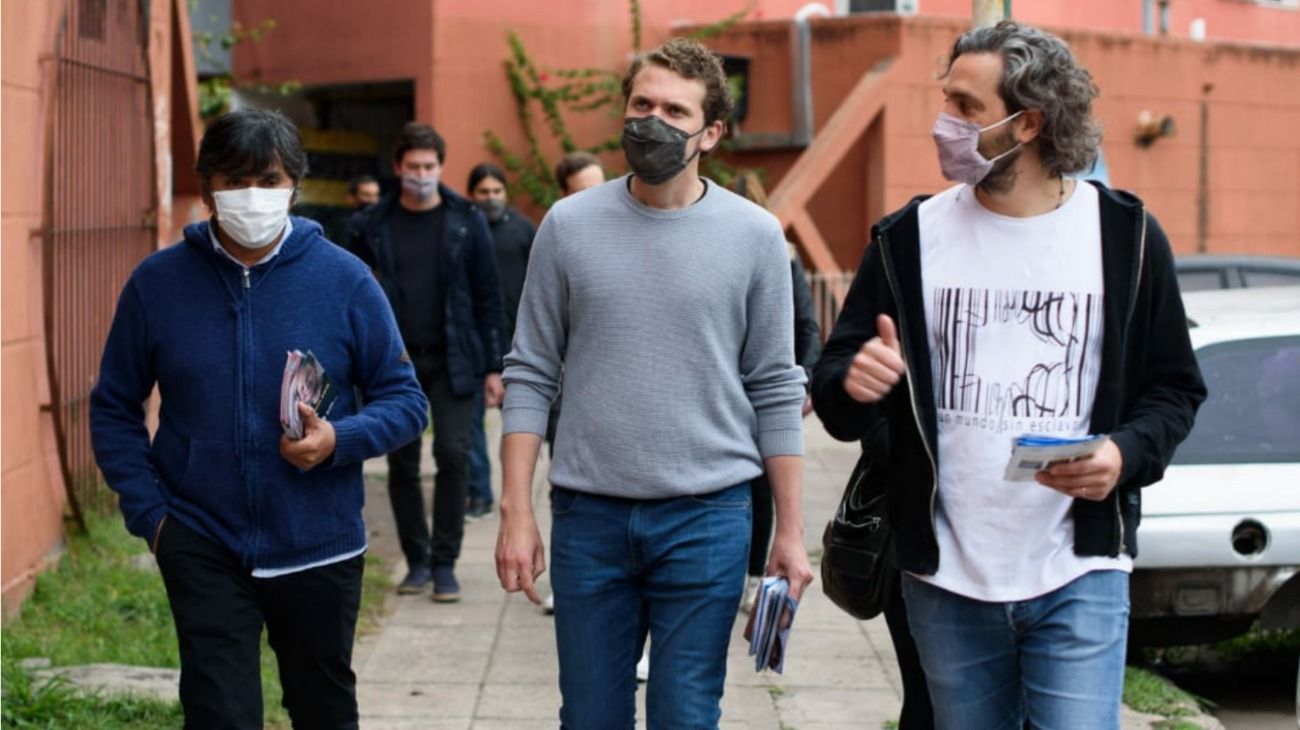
<point x="477" y="509"/>
<point x="416" y="580"/>
<point x="445" y="587"/>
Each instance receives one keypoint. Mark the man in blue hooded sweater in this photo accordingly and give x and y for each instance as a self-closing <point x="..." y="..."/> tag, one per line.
<point x="249" y="527"/>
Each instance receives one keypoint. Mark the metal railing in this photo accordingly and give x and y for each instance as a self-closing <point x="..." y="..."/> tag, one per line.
<point x="100" y="209"/>
<point x="828" y="292"/>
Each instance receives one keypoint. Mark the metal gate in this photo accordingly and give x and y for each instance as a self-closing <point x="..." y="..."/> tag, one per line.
<point x="100" y="209"/>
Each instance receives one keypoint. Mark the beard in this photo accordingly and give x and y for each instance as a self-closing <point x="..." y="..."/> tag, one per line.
<point x="1003" y="175"/>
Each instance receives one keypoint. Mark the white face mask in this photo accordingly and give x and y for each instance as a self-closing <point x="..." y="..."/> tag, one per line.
<point x="253" y="216"/>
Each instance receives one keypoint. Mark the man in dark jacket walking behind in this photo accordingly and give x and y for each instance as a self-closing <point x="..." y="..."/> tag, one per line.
<point x="249" y="527"/>
<point x="432" y="253"/>
<point x="512" y="238"/>
<point x="1020" y="301"/>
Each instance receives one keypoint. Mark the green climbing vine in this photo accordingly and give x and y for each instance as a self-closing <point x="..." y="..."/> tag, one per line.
<point x="214" y="91"/>
<point x="542" y="98"/>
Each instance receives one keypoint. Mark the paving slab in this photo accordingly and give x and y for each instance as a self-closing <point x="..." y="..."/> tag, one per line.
<point x="488" y="662"/>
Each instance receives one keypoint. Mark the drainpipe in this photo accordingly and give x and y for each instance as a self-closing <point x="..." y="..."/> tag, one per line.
<point x="985" y="13"/>
<point x="801" y="76"/>
<point x="801" y="102"/>
<point x="801" y="94"/>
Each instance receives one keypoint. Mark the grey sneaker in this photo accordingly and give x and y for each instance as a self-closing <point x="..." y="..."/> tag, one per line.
<point x="445" y="587"/>
<point x="416" y="580"/>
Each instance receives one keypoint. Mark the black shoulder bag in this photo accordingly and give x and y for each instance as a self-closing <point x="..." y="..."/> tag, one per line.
<point x="858" y="570"/>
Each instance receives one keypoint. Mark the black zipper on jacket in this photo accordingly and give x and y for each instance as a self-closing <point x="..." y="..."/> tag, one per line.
<point x="911" y="391"/>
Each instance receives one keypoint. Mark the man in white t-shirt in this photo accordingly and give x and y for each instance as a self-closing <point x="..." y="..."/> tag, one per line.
<point x="1019" y="302"/>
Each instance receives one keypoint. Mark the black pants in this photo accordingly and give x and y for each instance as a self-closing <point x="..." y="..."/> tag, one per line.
<point x="764" y="514"/>
<point x="452" y="419"/>
<point x="917" y="713"/>
<point x="219" y="610"/>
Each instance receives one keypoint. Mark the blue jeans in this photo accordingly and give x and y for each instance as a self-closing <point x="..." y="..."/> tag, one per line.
<point x="480" y="471"/>
<point x="1057" y="659"/>
<point x="621" y="568"/>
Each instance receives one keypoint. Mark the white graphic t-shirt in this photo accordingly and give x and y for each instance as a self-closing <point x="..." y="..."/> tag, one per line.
<point x="1013" y="310"/>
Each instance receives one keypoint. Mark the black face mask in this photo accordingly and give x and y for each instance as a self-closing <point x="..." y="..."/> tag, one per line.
<point x="655" y="149"/>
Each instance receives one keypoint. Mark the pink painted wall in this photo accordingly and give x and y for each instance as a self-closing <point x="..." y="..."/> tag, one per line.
<point x="1225" y="20"/>
<point x="31" y="490"/>
<point x="1252" y="158"/>
<point x="454" y="51"/>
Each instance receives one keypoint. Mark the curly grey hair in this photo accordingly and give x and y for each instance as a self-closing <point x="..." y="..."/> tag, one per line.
<point x="1039" y="72"/>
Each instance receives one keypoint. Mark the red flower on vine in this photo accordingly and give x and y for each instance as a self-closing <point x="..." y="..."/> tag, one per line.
<point x="543" y="77"/>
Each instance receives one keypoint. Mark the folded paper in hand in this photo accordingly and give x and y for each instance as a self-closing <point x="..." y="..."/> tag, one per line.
<point x="305" y="381"/>
<point x="1031" y="454"/>
<point x="768" y="630"/>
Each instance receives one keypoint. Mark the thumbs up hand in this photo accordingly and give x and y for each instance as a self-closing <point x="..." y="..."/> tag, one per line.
<point x="878" y="366"/>
<point x="316" y="444"/>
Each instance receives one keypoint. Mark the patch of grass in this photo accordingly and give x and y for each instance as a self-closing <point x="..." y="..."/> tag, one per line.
<point x="96" y="607"/>
<point x="775" y="692"/>
<point x="1260" y="645"/>
<point x="1150" y="693"/>
<point x="376" y="586"/>
<point x="54" y="703"/>
<point x="889" y="725"/>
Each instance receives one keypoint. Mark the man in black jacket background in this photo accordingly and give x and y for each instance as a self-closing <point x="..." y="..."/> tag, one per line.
<point x="512" y="239"/>
<point x="1018" y="302"/>
<point x="432" y="253"/>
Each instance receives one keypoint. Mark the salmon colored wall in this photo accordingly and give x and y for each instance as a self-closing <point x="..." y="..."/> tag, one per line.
<point x="31" y="489"/>
<point x="332" y="43"/>
<point x="1225" y="20"/>
<point x="1253" y="159"/>
<point x="32" y="493"/>
<point x="462" y="90"/>
<point x="461" y="87"/>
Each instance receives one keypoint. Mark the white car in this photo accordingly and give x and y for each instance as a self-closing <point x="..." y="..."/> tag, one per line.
<point x="1219" y="541"/>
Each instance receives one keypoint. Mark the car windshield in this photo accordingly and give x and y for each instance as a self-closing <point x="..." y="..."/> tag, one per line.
<point x="1252" y="413"/>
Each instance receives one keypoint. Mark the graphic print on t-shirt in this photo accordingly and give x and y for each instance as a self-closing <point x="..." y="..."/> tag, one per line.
<point x="1014" y="361"/>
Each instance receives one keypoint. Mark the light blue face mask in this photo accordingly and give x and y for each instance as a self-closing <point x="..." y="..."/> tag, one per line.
<point x="958" y="142"/>
<point x="422" y="188"/>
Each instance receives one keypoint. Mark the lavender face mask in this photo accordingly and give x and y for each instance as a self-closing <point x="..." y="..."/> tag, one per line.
<point x="958" y="142"/>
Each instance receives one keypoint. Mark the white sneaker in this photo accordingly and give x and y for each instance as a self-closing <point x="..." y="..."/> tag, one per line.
<point x="752" y="584"/>
<point x="548" y="604"/>
<point x="643" y="666"/>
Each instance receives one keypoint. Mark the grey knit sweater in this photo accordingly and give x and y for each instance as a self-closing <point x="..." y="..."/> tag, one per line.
<point x="672" y="330"/>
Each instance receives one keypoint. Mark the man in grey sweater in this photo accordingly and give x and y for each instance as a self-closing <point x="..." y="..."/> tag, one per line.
<point x="666" y="300"/>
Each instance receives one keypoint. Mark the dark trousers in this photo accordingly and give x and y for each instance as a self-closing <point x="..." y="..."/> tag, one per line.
<point x="219" y="610"/>
<point x="760" y="538"/>
<point x="917" y="713"/>
<point x="453" y="418"/>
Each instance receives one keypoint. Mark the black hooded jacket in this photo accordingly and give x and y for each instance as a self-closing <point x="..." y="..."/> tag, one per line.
<point x="1148" y="389"/>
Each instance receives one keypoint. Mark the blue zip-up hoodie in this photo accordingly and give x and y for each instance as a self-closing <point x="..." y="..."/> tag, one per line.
<point x="213" y="337"/>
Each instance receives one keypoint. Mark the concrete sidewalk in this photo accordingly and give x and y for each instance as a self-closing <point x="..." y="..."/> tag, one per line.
<point x="489" y="662"/>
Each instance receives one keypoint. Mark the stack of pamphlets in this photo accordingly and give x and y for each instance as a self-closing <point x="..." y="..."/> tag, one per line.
<point x="769" y="625"/>
<point x="305" y="381"/>
<point x="1031" y="454"/>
